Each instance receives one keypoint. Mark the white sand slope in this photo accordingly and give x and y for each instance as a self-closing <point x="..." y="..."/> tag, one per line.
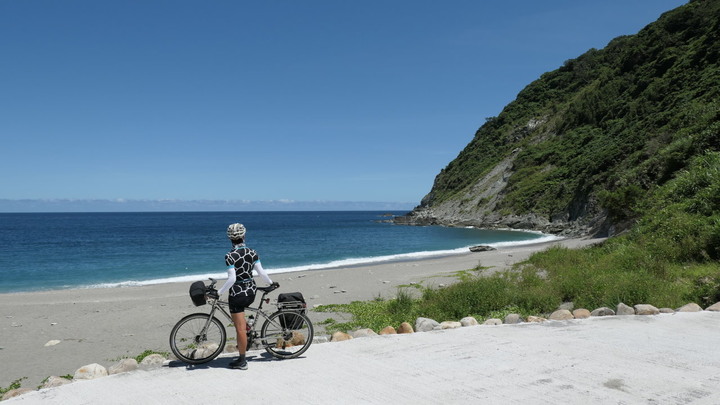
<point x="662" y="359"/>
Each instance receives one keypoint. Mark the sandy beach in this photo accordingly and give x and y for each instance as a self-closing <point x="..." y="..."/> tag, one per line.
<point x="102" y="325"/>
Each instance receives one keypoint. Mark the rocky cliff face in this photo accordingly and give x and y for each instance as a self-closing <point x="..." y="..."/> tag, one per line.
<point x="478" y="206"/>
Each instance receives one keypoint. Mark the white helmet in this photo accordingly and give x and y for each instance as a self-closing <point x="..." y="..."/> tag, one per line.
<point x="236" y="231"/>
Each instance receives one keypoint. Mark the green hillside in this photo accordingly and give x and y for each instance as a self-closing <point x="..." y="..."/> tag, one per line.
<point x="621" y="142"/>
<point x="598" y="136"/>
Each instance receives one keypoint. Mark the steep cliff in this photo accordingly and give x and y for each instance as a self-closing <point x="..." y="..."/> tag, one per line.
<point x="580" y="148"/>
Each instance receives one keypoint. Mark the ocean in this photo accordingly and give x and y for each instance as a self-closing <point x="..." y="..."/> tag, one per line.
<point x="50" y="251"/>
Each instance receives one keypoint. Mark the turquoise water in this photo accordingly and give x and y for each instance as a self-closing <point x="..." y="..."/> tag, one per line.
<point x="43" y="251"/>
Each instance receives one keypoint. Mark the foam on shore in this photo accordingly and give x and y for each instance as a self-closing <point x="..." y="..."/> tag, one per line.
<point x="344" y="263"/>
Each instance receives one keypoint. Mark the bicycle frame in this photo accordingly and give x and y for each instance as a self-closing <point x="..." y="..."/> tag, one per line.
<point x="219" y="305"/>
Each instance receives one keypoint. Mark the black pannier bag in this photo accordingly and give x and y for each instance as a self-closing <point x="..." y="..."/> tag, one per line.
<point x="197" y="293"/>
<point x="295" y="302"/>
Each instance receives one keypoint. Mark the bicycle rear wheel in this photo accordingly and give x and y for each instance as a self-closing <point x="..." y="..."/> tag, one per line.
<point x="194" y="343"/>
<point x="286" y="334"/>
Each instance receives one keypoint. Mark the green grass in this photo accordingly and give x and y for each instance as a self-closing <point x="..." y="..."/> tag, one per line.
<point x="139" y="358"/>
<point x="13" y="386"/>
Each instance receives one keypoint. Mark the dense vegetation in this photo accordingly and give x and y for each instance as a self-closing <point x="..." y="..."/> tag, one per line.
<point x="609" y="125"/>
<point x="634" y="127"/>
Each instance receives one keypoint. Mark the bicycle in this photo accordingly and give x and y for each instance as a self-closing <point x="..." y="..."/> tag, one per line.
<point x="200" y="337"/>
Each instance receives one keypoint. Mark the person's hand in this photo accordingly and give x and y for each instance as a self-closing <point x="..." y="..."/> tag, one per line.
<point x="212" y="293"/>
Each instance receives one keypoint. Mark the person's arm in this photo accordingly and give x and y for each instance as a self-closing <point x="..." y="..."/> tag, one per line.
<point x="229" y="282"/>
<point x="259" y="268"/>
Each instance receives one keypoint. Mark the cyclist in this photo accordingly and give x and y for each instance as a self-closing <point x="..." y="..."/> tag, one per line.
<point x="241" y="262"/>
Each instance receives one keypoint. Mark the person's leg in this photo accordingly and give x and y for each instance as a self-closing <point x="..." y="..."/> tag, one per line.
<point x="241" y="331"/>
<point x="239" y="321"/>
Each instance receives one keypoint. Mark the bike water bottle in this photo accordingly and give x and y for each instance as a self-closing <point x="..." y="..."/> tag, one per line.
<point x="249" y="323"/>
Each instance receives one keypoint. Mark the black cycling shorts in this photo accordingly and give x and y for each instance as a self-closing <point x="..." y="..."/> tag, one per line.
<point x="239" y="302"/>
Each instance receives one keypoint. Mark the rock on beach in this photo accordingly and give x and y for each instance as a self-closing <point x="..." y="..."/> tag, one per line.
<point x="646" y="309"/>
<point x="425" y="324"/>
<point x="89" y="372"/>
<point x="561" y="315"/>
<point x="691" y="307"/>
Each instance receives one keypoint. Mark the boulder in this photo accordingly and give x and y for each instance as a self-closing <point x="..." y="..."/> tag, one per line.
<point x="666" y="310"/>
<point x="202" y="351"/>
<point x="714" y="307"/>
<point x="388" y="330"/>
<point x="567" y="305"/>
<point x="90" y="372"/>
<point x="493" y="321"/>
<point x="405" y="328"/>
<point x="536" y="319"/>
<point x="449" y="325"/>
<point x="646" y="309"/>
<point x="361" y="333"/>
<point x="691" y="307"/>
<point x="54" y="381"/>
<point x="15" y="393"/>
<point x="602" y="311"/>
<point x="297" y="339"/>
<point x="155" y="360"/>
<point x="468" y="321"/>
<point x="340" y="336"/>
<point x="561" y="315"/>
<point x="581" y="313"/>
<point x="623" y="309"/>
<point x="123" y="366"/>
<point x="425" y="324"/>
<point x="513" y="319"/>
<point x="321" y="338"/>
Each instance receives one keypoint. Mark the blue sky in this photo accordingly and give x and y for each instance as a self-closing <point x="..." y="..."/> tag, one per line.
<point x="269" y="100"/>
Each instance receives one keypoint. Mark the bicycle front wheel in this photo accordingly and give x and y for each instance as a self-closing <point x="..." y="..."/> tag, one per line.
<point x="197" y="338"/>
<point x="286" y="334"/>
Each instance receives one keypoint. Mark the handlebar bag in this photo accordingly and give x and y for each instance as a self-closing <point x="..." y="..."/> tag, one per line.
<point x="197" y="293"/>
<point x="294" y="302"/>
